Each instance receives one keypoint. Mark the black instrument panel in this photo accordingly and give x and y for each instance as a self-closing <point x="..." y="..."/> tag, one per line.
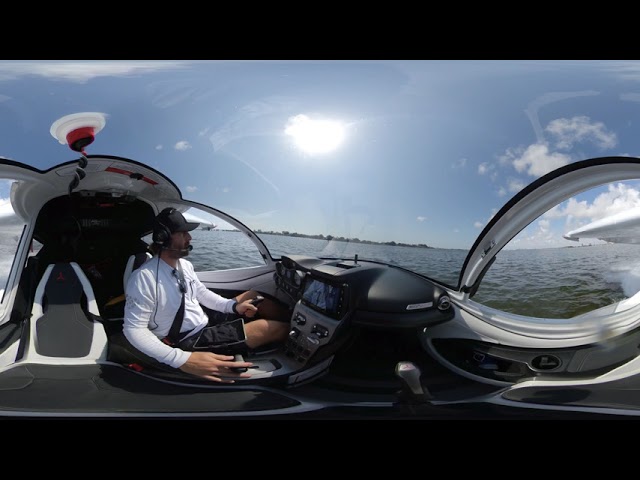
<point x="330" y="295"/>
<point x="291" y="271"/>
<point x="371" y="293"/>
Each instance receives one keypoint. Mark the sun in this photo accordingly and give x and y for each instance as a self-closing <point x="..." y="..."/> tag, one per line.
<point x="315" y="136"/>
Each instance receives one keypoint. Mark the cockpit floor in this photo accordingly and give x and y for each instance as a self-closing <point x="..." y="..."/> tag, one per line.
<point x="369" y="363"/>
<point x="103" y="388"/>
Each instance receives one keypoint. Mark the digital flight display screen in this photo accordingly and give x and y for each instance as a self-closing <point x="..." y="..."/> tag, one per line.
<point x="322" y="296"/>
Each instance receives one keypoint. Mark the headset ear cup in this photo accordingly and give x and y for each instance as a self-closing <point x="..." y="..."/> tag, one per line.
<point x="161" y="235"/>
<point x="166" y="237"/>
<point x="156" y="235"/>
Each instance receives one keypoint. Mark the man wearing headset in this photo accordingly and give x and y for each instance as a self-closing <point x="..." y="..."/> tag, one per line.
<point x="153" y="299"/>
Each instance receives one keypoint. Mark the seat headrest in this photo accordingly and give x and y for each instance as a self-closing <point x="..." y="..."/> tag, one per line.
<point x="134" y="262"/>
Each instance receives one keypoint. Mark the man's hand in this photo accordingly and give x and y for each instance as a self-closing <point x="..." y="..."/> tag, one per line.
<point x="213" y="366"/>
<point x="246" y="309"/>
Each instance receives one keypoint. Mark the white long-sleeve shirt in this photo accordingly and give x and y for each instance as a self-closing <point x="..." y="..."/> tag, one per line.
<point x="153" y="299"/>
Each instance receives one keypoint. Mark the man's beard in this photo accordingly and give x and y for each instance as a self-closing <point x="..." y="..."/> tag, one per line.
<point x="178" y="253"/>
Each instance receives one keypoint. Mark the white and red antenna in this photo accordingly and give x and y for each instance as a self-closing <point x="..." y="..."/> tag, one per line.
<point x="78" y="130"/>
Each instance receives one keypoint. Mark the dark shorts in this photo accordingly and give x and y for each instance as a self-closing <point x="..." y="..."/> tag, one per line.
<point x="279" y="314"/>
<point x="226" y="338"/>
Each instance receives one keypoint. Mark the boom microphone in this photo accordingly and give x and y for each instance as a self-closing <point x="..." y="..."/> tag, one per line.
<point x="181" y="250"/>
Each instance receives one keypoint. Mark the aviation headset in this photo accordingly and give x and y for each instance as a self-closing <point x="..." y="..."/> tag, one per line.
<point x="161" y="237"/>
<point x="161" y="233"/>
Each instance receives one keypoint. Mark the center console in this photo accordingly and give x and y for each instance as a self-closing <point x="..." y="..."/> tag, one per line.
<point x="334" y="298"/>
<point x="316" y="317"/>
<point x="310" y="331"/>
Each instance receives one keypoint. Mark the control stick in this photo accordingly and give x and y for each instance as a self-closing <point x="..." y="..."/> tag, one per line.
<point x="413" y="392"/>
<point x="238" y="358"/>
<point x="256" y="301"/>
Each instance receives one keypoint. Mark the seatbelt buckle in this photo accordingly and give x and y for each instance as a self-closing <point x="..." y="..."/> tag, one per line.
<point x="167" y="341"/>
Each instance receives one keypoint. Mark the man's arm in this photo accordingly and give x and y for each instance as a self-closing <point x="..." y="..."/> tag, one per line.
<point x="205" y="296"/>
<point x="139" y="312"/>
<point x="225" y="305"/>
<point x="214" y="301"/>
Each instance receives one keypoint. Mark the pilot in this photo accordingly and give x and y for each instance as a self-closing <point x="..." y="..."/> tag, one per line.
<point x="164" y="318"/>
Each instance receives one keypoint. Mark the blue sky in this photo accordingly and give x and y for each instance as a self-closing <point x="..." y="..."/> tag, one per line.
<point x="409" y="151"/>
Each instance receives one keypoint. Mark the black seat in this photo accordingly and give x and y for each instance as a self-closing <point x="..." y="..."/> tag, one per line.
<point x="64" y="324"/>
<point x="114" y="308"/>
<point x="120" y="350"/>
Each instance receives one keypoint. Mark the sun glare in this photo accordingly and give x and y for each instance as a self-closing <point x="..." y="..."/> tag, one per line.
<point x="315" y="136"/>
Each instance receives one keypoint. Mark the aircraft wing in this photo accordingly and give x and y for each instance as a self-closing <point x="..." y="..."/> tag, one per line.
<point x="5" y="208"/>
<point x="208" y="224"/>
<point x="623" y="227"/>
<point x="7" y="215"/>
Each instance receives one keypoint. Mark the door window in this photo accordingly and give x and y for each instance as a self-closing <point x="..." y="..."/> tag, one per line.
<point x="540" y="273"/>
<point x="218" y="245"/>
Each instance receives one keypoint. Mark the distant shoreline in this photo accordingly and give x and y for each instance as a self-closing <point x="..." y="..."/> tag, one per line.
<point x="343" y="239"/>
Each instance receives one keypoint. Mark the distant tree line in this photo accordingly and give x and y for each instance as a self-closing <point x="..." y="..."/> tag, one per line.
<point x="343" y="239"/>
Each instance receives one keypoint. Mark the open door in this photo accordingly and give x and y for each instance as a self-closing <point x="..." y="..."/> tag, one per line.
<point x="567" y="311"/>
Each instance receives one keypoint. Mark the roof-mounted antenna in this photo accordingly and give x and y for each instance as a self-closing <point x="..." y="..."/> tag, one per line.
<point x="78" y="130"/>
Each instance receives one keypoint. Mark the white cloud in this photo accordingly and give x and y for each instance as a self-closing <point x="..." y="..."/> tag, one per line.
<point x="482" y="224"/>
<point x="572" y="208"/>
<point x="617" y="198"/>
<point x="486" y="168"/>
<point x="182" y="145"/>
<point x="226" y="189"/>
<point x="536" y="160"/>
<point x="547" y="231"/>
<point x="569" y="131"/>
<point x="539" y="158"/>
<point x="82" y="72"/>
<point x="509" y="155"/>
<point x="158" y="147"/>
<point x="421" y="218"/>
<point x="630" y="97"/>
<point x="546" y="99"/>
<point x="514" y="185"/>
<point x="191" y="189"/>
<point x="537" y="235"/>
<point x="540" y="234"/>
<point x="461" y="163"/>
<point x="623" y="69"/>
<point x="544" y="225"/>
